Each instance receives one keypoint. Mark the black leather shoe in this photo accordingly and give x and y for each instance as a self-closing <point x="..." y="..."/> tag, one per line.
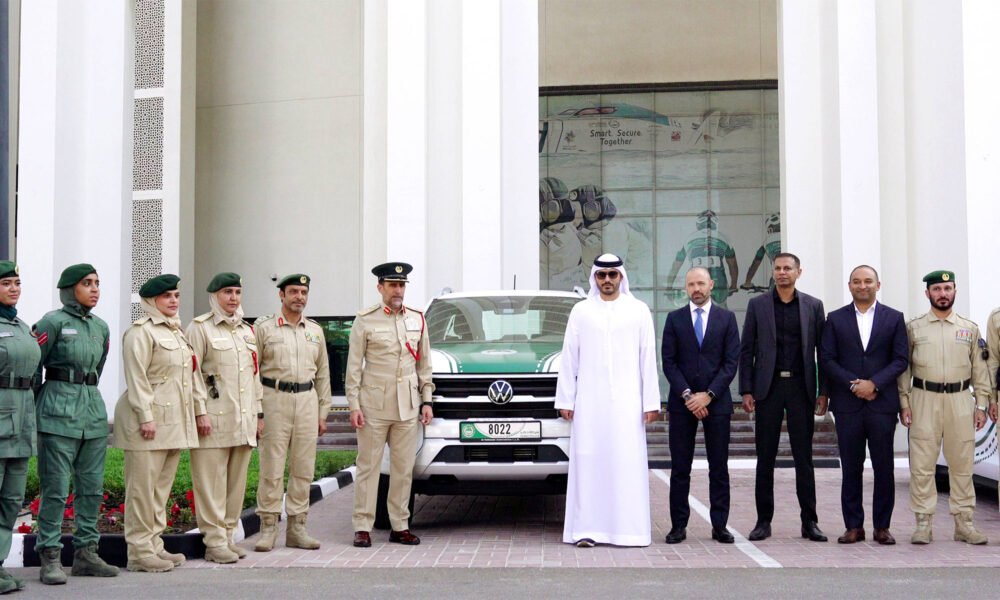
<point x="811" y="531"/>
<point x="362" y="539"/>
<point x="722" y="536"/>
<point x="403" y="537"/>
<point x="761" y="531"/>
<point x="677" y="535"/>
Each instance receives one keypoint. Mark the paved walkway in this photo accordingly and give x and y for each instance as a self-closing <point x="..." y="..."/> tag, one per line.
<point x="466" y="531"/>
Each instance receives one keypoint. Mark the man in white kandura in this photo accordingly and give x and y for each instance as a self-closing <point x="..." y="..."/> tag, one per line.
<point x="609" y="388"/>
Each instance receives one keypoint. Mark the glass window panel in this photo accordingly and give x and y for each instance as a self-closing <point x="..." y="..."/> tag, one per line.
<point x="735" y="148"/>
<point x="771" y="156"/>
<point x="632" y="202"/>
<point x="737" y="201"/>
<point x="681" y="201"/>
<point x="631" y="238"/>
<point x="736" y="101"/>
<point x="681" y="104"/>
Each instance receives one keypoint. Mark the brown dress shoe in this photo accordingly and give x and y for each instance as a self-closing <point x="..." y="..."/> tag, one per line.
<point x="404" y="537"/>
<point x="852" y="535"/>
<point x="885" y="538"/>
<point x="362" y="539"/>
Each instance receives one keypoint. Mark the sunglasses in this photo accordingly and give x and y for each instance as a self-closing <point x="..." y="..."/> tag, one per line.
<point x="607" y="275"/>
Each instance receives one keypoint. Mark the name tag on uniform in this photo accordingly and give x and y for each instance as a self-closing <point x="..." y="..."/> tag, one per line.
<point x="964" y="335"/>
<point x="4" y="334"/>
<point x="412" y="324"/>
<point x="68" y="331"/>
<point x="311" y="337"/>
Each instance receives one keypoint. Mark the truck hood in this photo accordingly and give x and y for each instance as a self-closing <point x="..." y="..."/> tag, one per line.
<point x="488" y="358"/>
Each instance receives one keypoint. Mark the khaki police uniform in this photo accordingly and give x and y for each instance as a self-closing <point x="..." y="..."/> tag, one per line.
<point x="228" y="363"/>
<point x="944" y="361"/>
<point x="993" y="344"/>
<point x="294" y="357"/>
<point x="164" y="386"/>
<point x="387" y="382"/>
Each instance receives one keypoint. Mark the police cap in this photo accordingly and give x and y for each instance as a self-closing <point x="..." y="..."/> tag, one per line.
<point x="294" y="279"/>
<point x="8" y="269"/>
<point x="72" y="274"/>
<point x="939" y="277"/>
<point x="392" y="271"/>
<point x="224" y="280"/>
<point x="159" y="284"/>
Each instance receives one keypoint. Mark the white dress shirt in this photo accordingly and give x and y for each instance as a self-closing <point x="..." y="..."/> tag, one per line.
<point x="865" y="321"/>
<point x="704" y="315"/>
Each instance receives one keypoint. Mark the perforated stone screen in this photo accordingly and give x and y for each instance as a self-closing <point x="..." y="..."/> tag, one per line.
<point x="147" y="241"/>
<point x="148" y="44"/>
<point x="147" y="168"/>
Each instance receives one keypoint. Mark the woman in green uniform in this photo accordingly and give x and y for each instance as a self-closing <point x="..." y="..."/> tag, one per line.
<point x="227" y="350"/>
<point x="155" y="419"/>
<point x="72" y="425"/>
<point x="19" y="356"/>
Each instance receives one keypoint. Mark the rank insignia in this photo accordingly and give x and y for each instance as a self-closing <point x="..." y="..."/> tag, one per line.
<point x="42" y="339"/>
<point x="945" y="277"/>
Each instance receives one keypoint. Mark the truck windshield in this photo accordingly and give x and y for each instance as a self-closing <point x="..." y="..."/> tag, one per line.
<point x="499" y="319"/>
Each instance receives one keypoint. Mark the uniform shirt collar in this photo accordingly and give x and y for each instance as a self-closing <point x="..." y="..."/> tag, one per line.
<point x="950" y="318"/>
<point x="388" y="311"/>
<point x="282" y="322"/>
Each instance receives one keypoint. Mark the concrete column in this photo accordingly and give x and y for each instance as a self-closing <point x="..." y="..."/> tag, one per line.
<point x="75" y="170"/>
<point x="981" y="46"/>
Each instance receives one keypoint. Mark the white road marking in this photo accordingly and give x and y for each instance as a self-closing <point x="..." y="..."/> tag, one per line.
<point x="744" y="545"/>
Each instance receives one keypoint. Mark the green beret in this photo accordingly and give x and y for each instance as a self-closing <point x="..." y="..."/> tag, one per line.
<point x="8" y="269"/>
<point x="294" y="279"/>
<point x="939" y="277"/>
<point x="72" y="274"/>
<point x="159" y="284"/>
<point x="392" y="271"/>
<point x="224" y="280"/>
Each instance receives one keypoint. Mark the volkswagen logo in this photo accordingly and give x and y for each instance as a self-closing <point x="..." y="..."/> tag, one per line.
<point x="500" y="392"/>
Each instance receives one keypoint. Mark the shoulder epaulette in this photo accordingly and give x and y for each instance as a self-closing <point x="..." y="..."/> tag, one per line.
<point x="141" y="320"/>
<point x="416" y="310"/>
<point x="263" y="318"/>
<point x="202" y="318"/>
<point x="313" y="321"/>
<point x="368" y="310"/>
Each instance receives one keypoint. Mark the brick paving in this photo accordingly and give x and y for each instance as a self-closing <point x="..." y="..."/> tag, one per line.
<point x="467" y="531"/>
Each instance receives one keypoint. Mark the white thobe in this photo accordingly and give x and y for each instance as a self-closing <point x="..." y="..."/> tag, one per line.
<point x="608" y="378"/>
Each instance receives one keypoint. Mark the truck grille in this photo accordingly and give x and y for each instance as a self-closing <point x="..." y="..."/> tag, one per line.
<point x="450" y="409"/>
<point x="463" y="387"/>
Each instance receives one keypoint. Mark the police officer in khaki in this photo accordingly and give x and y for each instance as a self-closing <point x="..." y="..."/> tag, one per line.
<point x="945" y="358"/>
<point x="388" y="384"/>
<point x="161" y="413"/>
<point x="993" y="362"/>
<point x="227" y="352"/>
<point x="295" y="373"/>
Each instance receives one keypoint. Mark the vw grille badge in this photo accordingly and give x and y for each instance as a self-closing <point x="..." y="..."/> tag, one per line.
<point x="500" y="392"/>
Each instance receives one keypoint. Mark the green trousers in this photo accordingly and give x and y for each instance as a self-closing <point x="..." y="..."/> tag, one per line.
<point x="61" y="460"/>
<point x="13" y="475"/>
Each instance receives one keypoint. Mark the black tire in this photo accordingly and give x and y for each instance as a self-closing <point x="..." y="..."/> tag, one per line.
<point x="382" y="503"/>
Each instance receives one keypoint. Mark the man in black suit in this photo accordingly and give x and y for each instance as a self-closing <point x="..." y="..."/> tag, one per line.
<point x="778" y="377"/>
<point x="863" y="351"/>
<point x="701" y="350"/>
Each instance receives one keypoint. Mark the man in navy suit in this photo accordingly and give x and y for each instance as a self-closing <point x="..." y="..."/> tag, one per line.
<point x="701" y="350"/>
<point x="863" y="350"/>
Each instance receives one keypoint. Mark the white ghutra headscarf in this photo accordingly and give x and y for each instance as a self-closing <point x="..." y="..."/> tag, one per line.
<point x="607" y="261"/>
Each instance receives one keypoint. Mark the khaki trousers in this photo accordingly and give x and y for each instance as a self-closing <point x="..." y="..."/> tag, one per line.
<point x="372" y="438"/>
<point x="937" y="418"/>
<point x="291" y="425"/>
<point x="149" y="475"/>
<point x="219" y="476"/>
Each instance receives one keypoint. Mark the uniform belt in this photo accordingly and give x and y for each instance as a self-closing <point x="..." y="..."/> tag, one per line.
<point x="287" y="386"/>
<point x="941" y="388"/>
<point x="16" y="383"/>
<point x="786" y="374"/>
<point x="58" y="374"/>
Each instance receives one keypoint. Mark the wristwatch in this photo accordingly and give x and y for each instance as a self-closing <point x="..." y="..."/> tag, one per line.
<point x="260" y="415"/>
<point x="685" y="395"/>
<point x="423" y="404"/>
<point x="711" y="394"/>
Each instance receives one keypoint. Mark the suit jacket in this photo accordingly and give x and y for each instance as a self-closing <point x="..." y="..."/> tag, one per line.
<point x="710" y="367"/>
<point x="758" y="347"/>
<point x="844" y="359"/>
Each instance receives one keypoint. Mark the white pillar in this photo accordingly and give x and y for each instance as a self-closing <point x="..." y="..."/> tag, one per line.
<point x="75" y="171"/>
<point x="938" y="222"/>
<point x="857" y="133"/>
<point x="982" y="163"/>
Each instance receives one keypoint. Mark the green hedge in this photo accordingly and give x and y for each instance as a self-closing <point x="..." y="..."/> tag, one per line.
<point x="328" y="462"/>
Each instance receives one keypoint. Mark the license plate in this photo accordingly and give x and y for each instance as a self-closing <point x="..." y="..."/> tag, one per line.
<point x="500" y="431"/>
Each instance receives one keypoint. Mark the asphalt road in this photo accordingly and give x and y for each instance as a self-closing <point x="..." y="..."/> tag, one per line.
<point x="308" y="584"/>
